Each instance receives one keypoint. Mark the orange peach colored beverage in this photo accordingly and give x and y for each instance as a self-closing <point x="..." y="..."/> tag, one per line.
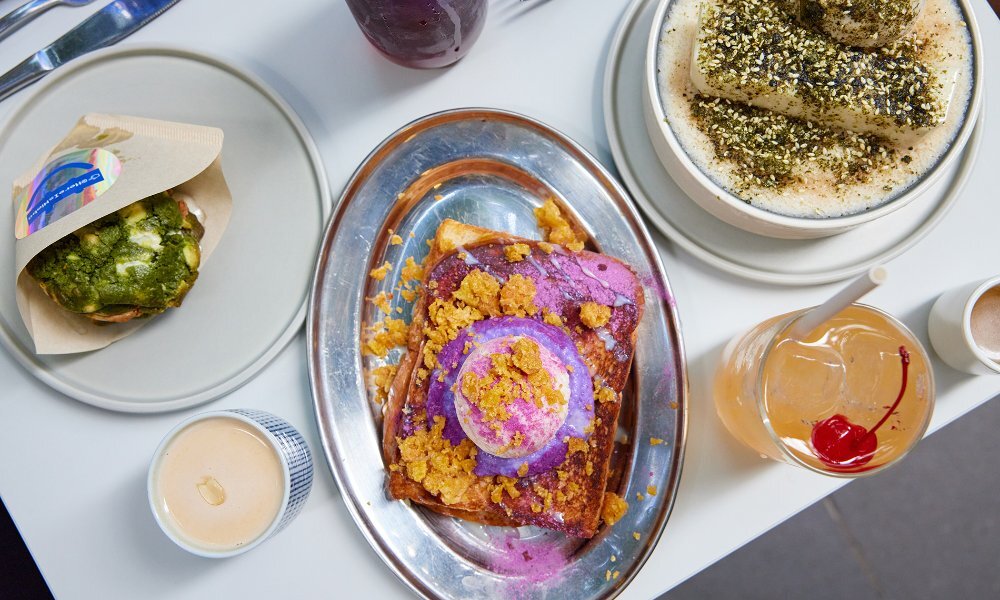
<point x="849" y="399"/>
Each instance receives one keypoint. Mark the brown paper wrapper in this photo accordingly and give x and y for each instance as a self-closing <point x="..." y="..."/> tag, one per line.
<point x="155" y="156"/>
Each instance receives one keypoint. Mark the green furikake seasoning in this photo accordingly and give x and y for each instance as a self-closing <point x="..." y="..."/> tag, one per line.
<point x="768" y="149"/>
<point x="871" y="22"/>
<point x="754" y="48"/>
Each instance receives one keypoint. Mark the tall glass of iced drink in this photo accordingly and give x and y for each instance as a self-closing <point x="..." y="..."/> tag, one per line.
<point x="849" y="398"/>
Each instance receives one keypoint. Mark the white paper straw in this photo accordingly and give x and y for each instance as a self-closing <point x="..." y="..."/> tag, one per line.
<point x="829" y="309"/>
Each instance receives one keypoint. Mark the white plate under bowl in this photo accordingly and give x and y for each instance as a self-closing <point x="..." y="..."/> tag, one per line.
<point x="779" y="261"/>
<point x="250" y="297"/>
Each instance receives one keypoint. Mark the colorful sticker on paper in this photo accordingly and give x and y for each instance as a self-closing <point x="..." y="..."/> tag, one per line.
<point x="67" y="183"/>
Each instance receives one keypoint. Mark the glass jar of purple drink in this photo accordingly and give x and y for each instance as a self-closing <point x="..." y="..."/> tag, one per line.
<point x="424" y="34"/>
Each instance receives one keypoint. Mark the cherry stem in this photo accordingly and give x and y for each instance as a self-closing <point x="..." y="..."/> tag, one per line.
<point x="905" y="358"/>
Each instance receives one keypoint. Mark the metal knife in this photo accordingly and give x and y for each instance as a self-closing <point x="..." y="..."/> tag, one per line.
<point x="107" y="26"/>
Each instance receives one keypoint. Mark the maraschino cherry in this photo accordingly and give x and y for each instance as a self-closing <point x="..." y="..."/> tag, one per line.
<point x="842" y="444"/>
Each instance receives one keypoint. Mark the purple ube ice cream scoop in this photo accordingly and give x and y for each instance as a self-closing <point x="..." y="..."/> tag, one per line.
<point x="536" y="422"/>
<point x="580" y="413"/>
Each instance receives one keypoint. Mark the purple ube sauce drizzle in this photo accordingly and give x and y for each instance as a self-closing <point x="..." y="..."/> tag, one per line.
<point x="535" y="561"/>
<point x="441" y="400"/>
<point x="655" y="284"/>
<point x="563" y="281"/>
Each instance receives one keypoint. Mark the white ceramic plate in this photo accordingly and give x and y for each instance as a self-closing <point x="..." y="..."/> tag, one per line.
<point x="788" y="262"/>
<point x="250" y="297"/>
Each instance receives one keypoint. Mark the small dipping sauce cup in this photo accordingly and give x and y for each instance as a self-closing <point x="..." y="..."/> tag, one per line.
<point x="222" y="482"/>
<point x="850" y="398"/>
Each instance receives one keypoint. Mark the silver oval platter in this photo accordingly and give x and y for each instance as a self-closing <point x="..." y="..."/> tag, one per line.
<point x="488" y="168"/>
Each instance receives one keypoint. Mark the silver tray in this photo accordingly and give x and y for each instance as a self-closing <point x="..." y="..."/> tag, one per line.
<point x="488" y="168"/>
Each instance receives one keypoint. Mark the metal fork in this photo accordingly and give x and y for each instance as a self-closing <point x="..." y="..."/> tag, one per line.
<point x="20" y="16"/>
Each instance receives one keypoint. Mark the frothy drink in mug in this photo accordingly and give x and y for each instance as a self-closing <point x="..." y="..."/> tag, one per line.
<point x="985" y="323"/>
<point x="219" y="484"/>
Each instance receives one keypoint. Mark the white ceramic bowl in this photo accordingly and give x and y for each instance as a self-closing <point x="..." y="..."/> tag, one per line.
<point x="733" y="210"/>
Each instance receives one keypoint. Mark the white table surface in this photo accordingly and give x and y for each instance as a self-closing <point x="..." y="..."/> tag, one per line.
<point x="73" y="476"/>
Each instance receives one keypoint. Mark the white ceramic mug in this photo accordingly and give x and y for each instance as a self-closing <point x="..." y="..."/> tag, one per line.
<point x="950" y="328"/>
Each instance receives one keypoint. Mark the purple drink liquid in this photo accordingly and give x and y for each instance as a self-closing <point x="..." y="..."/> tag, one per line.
<point x="424" y="34"/>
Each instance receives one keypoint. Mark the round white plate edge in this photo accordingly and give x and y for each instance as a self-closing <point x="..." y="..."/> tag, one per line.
<point x="42" y="373"/>
<point x="959" y="178"/>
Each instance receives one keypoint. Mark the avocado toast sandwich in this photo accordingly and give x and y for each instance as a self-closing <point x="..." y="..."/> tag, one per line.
<point x="135" y="262"/>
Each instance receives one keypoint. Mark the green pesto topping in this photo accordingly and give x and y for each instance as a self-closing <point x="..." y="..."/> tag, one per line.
<point x="768" y="149"/>
<point x="143" y="256"/>
<point x="756" y="47"/>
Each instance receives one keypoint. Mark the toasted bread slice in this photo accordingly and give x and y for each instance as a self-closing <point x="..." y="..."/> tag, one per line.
<point x="446" y="476"/>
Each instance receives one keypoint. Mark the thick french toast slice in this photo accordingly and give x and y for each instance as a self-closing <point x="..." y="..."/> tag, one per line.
<point x="592" y="300"/>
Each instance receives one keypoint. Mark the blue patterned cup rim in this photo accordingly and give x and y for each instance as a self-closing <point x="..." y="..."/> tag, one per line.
<point x="170" y="531"/>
